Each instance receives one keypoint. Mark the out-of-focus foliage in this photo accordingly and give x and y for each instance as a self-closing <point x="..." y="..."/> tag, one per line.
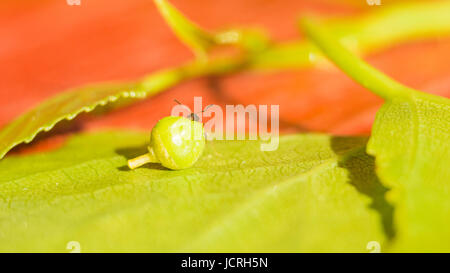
<point x="370" y="32"/>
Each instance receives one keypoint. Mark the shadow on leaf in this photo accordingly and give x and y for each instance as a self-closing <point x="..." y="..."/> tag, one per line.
<point x="132" y="152"/>
<point x="366" y="182"/>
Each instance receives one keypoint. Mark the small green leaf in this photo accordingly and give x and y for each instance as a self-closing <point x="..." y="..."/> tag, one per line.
<point x="315" y="193"/>
<point x="411" y="143"/>
<point x="65" y="106"/>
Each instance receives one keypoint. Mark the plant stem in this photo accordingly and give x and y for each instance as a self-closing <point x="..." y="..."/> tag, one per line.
<point x="136" y="162"/>
<point x="357" y="69"/>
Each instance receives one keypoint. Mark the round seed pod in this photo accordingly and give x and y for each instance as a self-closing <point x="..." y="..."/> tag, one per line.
<point x="176" y="142"/>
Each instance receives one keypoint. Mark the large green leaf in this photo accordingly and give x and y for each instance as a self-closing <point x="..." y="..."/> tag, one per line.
<point x="315" y="193"/>
<point x="411" y="143"/>
<point x="411" y="140"/>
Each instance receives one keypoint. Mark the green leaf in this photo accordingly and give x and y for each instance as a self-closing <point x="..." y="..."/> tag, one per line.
<point x="315" y="193"/>
<point x="411" y="143"/>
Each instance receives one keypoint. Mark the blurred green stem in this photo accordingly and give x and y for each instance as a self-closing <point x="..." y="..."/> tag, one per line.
<point x="365" y="34"/>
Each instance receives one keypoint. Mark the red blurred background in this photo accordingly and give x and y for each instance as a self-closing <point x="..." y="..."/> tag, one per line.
<point x="47" y="46"/>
